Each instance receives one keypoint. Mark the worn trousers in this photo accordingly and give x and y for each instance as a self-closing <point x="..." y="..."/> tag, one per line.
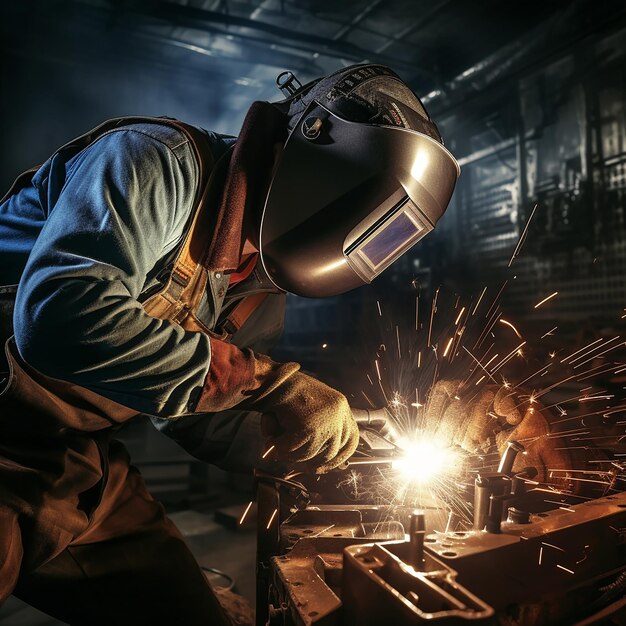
<point x="129" y="567"/>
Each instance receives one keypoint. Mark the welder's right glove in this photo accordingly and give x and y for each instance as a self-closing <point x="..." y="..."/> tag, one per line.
<point x="303" y="418"/>
<point x="544" y="451"/>
<point x="470" y="421"/>
<point x="485" y="422"/>
<point x="560" y="464"/>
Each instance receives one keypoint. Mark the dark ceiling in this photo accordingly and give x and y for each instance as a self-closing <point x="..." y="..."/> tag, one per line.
<point x="429" y="43"/>
<point x="233" y="49"/>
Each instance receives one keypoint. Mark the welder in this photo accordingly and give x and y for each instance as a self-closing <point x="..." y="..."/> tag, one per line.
<point x="145" y="266"/>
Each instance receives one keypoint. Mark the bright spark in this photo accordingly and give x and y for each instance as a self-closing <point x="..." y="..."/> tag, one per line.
<point x="433" y="310"/>
<point x="267" y="452"/>
<point x="243" y="517"/>
<point x="546" y="299"/>
<point x="522" y="239"/>
<point x="459" y="316"/>
<point x="507" y="323"/>
<point x="479" y="299"/>
<point x="272" y="516"/>
<point x="508" y="357"/>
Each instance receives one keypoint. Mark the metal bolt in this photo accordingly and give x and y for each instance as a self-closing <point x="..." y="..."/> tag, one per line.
<point x="517" y="516"/>
<point x="485" y="486"/>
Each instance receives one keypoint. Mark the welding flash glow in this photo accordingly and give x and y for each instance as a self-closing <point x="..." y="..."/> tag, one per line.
<point x="424" y="459"/>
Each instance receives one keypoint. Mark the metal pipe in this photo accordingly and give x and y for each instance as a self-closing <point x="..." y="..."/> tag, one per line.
<point x="486" y="486"/>
<point x="496" y="511"/>
<point x="377" y="419"/>
<point x="507" y="460"/>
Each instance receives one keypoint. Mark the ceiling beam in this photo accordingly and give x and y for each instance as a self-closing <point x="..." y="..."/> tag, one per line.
<point x="194" y="17"/>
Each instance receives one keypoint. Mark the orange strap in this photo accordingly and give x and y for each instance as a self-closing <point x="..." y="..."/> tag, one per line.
<point x="242" y="312"/>
<point x="244" y="270"/>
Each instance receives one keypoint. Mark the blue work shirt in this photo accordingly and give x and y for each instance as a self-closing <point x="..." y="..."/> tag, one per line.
<point x="83" y="242"/>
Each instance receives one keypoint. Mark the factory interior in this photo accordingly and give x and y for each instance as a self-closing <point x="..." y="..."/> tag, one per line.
<point x="521" y="286"/>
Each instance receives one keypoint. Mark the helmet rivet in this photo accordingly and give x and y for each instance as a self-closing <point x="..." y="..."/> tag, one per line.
<point x="311" y="127"/>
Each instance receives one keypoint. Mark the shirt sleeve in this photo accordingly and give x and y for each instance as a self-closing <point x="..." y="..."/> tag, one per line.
<point x="231" y="440"/>
<point x="77" y="315"/>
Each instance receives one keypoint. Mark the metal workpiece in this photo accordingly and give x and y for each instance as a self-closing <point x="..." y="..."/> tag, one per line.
<point x="320" y="524"/>
<point x="556" y="553"/>
<point x="380" y="587"/>
<point x="343" y="559"/>
<point x="307" y="575"/>
<point x="495" y="492"/>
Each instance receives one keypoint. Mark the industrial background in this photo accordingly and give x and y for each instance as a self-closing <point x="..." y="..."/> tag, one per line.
<point x="529" y="96"/>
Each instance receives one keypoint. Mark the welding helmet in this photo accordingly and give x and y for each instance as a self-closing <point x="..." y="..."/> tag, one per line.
<point x="362" y="177"/>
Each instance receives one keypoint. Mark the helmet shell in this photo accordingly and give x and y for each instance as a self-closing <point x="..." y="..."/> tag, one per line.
<point x="347" y="199"/>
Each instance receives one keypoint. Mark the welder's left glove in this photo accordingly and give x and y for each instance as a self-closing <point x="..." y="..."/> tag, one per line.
<point x="470" y="420"/>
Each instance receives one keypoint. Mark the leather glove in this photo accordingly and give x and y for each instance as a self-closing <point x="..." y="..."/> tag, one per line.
<point x="545" y="452"/>
<point x="470" y="421"/>
<point x="552" y="456"/>
<point x="305" y="419"/>
<point x="486" y="422"/>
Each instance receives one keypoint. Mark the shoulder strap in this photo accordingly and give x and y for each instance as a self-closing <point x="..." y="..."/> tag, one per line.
<point x="181" y="295"/>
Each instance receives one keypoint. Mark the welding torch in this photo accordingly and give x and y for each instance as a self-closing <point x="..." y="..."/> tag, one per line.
<point x="372" y="419"/>
<point x="374" y="428"/>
